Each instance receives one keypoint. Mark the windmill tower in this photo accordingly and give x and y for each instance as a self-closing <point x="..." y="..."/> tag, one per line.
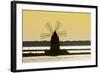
<point x="54" y="42"/>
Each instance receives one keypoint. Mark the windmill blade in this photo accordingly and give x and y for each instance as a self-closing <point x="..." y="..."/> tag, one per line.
<point x="62" y="33"/>
<point x="45" y="35"/>
<point x="49" y="27"/>
<point x="57" y="26"/>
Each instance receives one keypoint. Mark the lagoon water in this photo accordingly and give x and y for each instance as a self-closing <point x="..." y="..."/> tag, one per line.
<point x="61" y="47"/>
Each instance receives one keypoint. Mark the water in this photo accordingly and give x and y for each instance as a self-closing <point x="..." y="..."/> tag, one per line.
<point x="61" y="47"/>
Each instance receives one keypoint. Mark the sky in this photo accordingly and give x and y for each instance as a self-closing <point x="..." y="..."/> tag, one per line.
<point x="76" y="25"/>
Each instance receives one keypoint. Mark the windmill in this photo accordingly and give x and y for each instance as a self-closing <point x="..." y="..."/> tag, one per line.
<point x="54" y="42"/>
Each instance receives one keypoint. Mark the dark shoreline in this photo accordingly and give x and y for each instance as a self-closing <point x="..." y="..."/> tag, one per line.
<point x="62" y="43"/>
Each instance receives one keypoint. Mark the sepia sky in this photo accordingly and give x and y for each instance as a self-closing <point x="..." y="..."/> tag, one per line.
<point x="77" y="25"/>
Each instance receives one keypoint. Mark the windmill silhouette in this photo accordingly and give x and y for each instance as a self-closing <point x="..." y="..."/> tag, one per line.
<point x="54" y="42"/>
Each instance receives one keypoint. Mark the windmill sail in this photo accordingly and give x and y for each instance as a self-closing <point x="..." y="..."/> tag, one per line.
<point x="49" y="28"/>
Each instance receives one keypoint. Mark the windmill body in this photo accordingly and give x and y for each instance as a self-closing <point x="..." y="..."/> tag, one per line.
<point x="54" y="44"/>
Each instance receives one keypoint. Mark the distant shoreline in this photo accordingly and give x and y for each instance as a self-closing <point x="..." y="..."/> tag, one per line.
<point x="62" y="43"/>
